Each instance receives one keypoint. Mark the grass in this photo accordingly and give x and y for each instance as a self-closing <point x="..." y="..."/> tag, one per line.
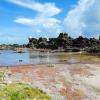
<point x="98" y="90"/>
<point x="2" y="75"/>
<point x="20" y="91"/>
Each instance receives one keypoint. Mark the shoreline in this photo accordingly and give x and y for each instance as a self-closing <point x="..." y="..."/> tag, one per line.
<point x="63" y="62"/>
<point x="60" y="81"/>
<point x="52" y="51"/>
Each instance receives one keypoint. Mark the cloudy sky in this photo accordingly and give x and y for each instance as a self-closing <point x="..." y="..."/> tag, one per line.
<point x="20" y="19"/>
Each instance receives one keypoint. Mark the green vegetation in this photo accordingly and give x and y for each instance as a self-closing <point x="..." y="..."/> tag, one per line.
<point x="61" y="43"/>
<point x="2" y="76"/>
<point x="20" y="91"/>
<point x="96" y="90"/>
<point x="66" y="43"/>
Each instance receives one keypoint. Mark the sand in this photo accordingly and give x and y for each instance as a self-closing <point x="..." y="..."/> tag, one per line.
<point x="61" y="81"/>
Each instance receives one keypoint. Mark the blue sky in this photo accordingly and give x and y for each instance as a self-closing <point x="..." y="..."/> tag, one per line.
<point x="20" y="19"/>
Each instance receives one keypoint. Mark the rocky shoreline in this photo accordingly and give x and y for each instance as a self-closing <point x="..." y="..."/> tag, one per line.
<point x="62" y="43"/>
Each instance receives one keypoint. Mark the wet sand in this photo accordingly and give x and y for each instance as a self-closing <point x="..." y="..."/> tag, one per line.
<point x="61" y="81"/>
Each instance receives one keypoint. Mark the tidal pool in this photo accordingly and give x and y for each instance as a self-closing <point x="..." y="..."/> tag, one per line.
<point x="9" y="57"/>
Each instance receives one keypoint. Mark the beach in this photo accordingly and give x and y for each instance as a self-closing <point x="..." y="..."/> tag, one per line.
<point x="60" y="81"/>
<point x="49" y="50"/>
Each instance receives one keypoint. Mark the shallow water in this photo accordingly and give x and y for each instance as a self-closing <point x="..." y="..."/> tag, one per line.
<point x="9" y="57"/>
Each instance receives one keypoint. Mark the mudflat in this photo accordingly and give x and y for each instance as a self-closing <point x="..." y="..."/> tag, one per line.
<point x="60" y="81"/>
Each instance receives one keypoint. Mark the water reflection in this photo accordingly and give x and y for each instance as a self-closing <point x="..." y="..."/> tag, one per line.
<point x="9" y="57"/>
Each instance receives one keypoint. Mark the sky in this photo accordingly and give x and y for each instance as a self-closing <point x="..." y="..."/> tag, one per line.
<point x="20" y="19"/>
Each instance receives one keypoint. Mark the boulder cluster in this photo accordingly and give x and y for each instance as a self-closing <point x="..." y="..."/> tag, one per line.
<point x="65" y="42"/>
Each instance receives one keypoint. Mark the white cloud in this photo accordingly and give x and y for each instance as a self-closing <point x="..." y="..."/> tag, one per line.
<point x="46" y="9"/>
<point x="44" y="20"/>
<point x="24" y="21"/>
<point x="84" y="18"/>
<point x="49" y="25"/>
